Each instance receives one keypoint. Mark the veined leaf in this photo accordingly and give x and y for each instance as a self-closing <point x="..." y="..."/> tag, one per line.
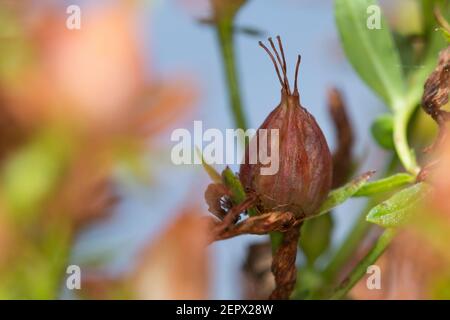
<point x="370" y="50"/>
<point x="384" y="185"/>
<point x="338" y="196"/>
<point x="396" y="210"/>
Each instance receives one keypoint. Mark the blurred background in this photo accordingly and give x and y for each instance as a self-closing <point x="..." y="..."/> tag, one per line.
<point x="85" y="123"/>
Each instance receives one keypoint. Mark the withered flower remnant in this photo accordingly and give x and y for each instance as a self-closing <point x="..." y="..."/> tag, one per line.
<point x="305" y="165"/>
<point x="279" y="201"/>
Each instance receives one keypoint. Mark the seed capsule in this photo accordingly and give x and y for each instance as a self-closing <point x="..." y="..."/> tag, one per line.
<point x="305" y="166"/>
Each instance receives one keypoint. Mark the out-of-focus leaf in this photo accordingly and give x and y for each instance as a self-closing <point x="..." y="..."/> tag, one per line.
<point x="338" y="196"/>
<point x="212" y="173"/>
<point x="440" y="287"/>
<point x="371" y="51"/>
<point x="232" y="182"/>
<point x="130" y="159"/>
<point x="395" y="211"/>
<point x="31" y="174"/>
<point x="315" y="237"/>
<point x="382" y="129"/>
<point x="441" y="19"/>
<point x="417" y="79"/>
<point x="309" y="280"/>
<point x="15" y="51"/>
<point x="385" y="184"/>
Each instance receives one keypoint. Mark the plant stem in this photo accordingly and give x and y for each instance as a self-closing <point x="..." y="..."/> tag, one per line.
<point x="360" y="270"/>
<point x="225" y="36"/>
<point x="404" y="152"/>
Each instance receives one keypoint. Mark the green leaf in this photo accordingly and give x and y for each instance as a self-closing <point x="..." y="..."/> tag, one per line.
<point x="232" y="182"/>
<point x="338" y="196"/>
<point x="435" y="43"/>
<point x="371" y="52"/>
<point x="212" y="173"/>
<point x="33" y="172"/>
<point x="385" y="185"/>
<point x="395" y="211"/>
<point x="315" y="237"/>
<point x="382" y="130"/>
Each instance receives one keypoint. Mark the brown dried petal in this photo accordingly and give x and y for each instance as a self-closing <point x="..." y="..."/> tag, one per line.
<point x="217" y="198"/>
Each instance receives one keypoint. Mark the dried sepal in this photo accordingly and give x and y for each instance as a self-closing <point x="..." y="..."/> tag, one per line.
<point x="217" y="197"/>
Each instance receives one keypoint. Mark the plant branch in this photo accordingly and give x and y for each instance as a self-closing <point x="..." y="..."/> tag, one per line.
<point x="360" y="270"/>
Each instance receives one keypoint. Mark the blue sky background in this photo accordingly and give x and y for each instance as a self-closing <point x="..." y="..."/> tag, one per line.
<point x="177" y="43"/>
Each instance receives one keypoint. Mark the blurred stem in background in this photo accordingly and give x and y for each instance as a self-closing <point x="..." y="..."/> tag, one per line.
<point x="360" y="270"/>
<point x="225" y="37"/>
<point x="224" y="14"/>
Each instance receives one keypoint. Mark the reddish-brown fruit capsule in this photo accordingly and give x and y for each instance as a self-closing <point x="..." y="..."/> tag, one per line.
<point x="305" y="165"/>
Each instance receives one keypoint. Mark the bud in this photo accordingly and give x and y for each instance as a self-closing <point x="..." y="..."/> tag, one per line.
<point x="305" y="166"/>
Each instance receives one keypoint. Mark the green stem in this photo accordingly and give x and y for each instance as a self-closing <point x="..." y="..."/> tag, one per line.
<point x="404" y="152"/>
<point x="360" y="270"/>
<point x="225" y="37"/>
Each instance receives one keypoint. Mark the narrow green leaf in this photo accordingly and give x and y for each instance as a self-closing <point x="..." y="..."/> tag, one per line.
<point x="338" y="196"/>
<point x="385" y="185"/>
<point x="232" y="182"/>
<point x="395" y="211"/>
<point x="212" y="173"/>
<point x="370" y="50"/>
